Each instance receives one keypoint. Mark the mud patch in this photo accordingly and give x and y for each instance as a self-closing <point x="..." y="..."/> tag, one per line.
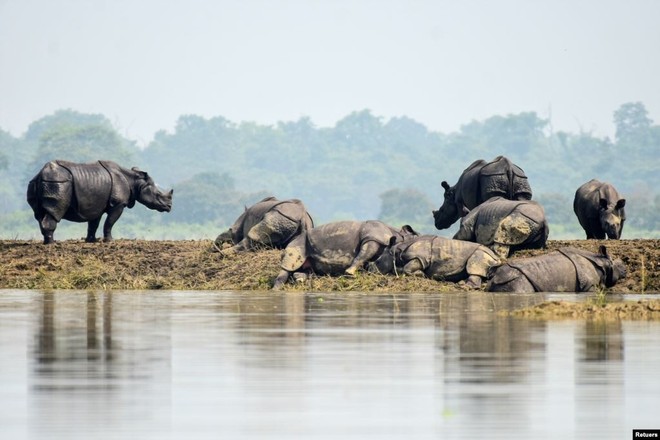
<point x="625" y="310"/>
<point x="192" y="264"/>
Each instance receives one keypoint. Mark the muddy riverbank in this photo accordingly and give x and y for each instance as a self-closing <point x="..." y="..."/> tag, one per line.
<point x="184" y="265"/>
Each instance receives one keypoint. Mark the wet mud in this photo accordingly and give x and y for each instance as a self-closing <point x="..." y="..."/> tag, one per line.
<point x="182" y="265"/>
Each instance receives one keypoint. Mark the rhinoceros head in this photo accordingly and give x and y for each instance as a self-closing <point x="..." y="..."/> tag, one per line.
<point x="612" y="216"/>
<point x="149" y="194"/>
<point x="390" y="258"/>
<point x="614" y="269"/>
<point x="448" y="213"/>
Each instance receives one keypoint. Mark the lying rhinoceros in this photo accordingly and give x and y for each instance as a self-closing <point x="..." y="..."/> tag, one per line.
<point x="478" y="183"/>
<point x="338" y="248"/>
<point x="83" y="192"/>
<point x="269" y="223"/>
<point x="439" y="258"/>
<point x="505" y="225"/>
<point x="600" y="210"/>
<point x="564" y="270"/>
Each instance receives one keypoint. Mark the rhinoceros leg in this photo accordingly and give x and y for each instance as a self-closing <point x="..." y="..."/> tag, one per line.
<point x="508" y="279"/>
<point x="477" y="266"/>
<point x="518" y="285"/>
<point x="47" y="225"/>
<point x="113" y="216"/>
<point x="414" y="267"/>
<point x="274" y="230"/>
<point x="281" y="279"/>
<point x="473" y="281"/>
<point x="367" y="252"/>
<point x="92" y="226"/>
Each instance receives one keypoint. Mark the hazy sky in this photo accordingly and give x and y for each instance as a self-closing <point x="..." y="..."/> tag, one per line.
<point x="143" y="63"/>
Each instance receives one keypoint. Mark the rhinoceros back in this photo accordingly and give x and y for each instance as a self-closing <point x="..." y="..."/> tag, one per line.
<point x="565" y="270"/>
<point x="333" y="246"/>
<point x="503" y="178"/>
<point x="92" y="187"/>
<point x="295" y="210"/>
<point x="255" y="214"/>
<point x="450" y="257"/>
<point x="553" y="272"/>
<point x="510" y="222"/>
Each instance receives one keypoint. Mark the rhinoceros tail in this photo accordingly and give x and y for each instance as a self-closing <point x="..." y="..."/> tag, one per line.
<point x="33" y="194"/>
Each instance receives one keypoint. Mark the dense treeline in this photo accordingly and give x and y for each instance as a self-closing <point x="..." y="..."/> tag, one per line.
<point x="364" y="167"/>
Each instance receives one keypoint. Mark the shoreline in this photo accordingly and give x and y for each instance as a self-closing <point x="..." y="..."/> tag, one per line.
<point x="192" y="265"/>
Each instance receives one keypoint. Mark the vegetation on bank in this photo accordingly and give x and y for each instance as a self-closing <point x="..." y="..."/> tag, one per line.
<point x="644" y="309"/>
<point x="192" y="264"/>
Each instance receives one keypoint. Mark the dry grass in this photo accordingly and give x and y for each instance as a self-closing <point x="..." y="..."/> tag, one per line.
<point x="186" y="265"/>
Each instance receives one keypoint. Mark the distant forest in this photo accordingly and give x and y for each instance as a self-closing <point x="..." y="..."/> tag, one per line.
<point x="364" y="167"/>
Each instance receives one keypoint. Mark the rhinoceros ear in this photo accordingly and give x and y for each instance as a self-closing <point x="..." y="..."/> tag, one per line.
<point x="392" y="241"/>
<point x="445" y="185"/>
<point x="142" y="174"/>
<point x="603" y="203"/>
<point x="602" y="250"/>
<point x="621" y="204"/>
<point x="408" y="230"/>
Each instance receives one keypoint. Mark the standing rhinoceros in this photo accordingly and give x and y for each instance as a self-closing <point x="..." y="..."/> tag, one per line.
<point x="600" y="210"/>
<point x="268" y="223"/>
<point x="564" y="270"/>
<point x="505" y="225"/>
<point x="439" y="258"/>
<point x="478" y="183"/>
<point x="83" y="192"/>
<point x="338" y="248"/>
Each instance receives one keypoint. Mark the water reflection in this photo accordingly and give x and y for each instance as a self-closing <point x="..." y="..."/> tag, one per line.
<point x="201" y="364"/>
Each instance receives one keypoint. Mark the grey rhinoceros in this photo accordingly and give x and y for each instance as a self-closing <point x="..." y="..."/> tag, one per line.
<point x="564" y="270"/>
<point x="505" y="225"/>
<point x="438" y="258"/>
<point x="268" y="223"/>
<point x="84" y="192"/>
<point x="478" y="183"/>
<point x="600" y="210"/>
<point x="338" y="248"/>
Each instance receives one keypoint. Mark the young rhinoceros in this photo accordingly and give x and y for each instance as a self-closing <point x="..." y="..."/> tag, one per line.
<point x="438" y="258"/>
<point x="338" y="248"/>
<point x="505" y="225"/>
<point x="84" y="192"/>
<point x="600" y="210"/>
<point x="269" y="223"/>
<point x="564" y="270"/>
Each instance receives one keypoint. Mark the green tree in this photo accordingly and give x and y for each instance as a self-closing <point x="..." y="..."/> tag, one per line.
<point x="209" y="196"/>
<point x="7" y="199"/>
<point x="12" y="168"/>
<point x="406" y="206"/>
<point x="197" y="145"/>
<point x="637" y="145"/>
<point x="632" y="123"/>
<point x="513" y="135"/>
<point x="83" y="144"/>
<point x="63" y="118"/>
<point x="558" y="207"/>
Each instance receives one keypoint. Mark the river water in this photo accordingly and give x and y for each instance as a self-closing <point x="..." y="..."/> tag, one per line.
<point x="202" y="365"/>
